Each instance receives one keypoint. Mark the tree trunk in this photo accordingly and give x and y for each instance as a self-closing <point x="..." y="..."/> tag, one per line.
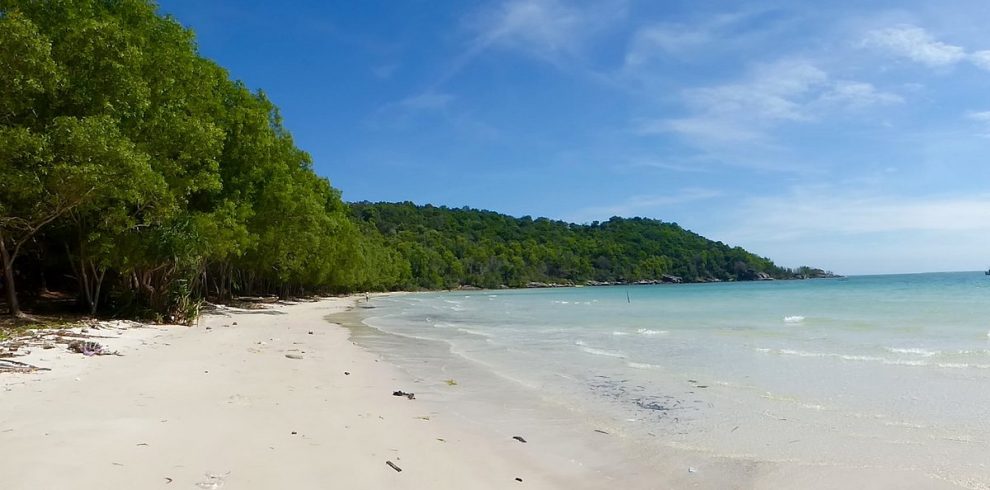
<point x="8" y="278"/>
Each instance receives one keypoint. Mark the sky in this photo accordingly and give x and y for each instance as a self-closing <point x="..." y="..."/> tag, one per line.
<point x="848" y="135"/>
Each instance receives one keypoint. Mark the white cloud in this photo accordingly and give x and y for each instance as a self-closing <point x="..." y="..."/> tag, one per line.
<point x="546" y="28"/>
<point x="856" y="95"/>
<point x="915" y="44"/>
<point x="858" y="232"/>
<point x="664" y="38"/>
<point x="982" y="119"/>
<point x="981" y="116"/>
<point x="981" y="59"/>
<point x="703" y="129"/>
<point x="809" y="212"/>
<point x="773" y="92"/>
<point x="715" y="32"/>
<point x="788" y="91"/>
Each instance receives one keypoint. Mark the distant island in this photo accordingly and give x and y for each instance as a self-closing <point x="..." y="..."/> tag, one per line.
<point x="140" y="181"/>
<point x="462" y="247"/>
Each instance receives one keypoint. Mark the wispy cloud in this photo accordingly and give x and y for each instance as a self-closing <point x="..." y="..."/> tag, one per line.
<point x="809" y="212"/>
<point x="981" y="59"/>
<point x="679" y="40"/>
<point x="863" y="231"/>
<point x="787" y="91"/>
<point x="857" y="95"/>
<point x="426" y="101"/>
<point x="551" y="30"/>
<point x="915" y="44"/>
<point x="982" y="119"/>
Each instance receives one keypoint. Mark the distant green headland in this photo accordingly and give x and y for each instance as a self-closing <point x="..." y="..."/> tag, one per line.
<point x="451" y="247"/>
<point x="138" y="178"/>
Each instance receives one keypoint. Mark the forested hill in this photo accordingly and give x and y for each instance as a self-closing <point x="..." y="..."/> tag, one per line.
<point x="138" y="176"/>
<point x="448" y="247"/>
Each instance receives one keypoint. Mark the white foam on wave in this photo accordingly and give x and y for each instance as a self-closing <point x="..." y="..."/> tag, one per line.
<point x="793" y="319"/>
<point x="643" y="365"/>
<point x="913" y="350"/>
<point x="603" y="352"/>
<point x="475" y="332"/>
<point x="962" y="365"/>
<point x="866" y="358"/>
<point x="598" y="352"/>
<point x="618" y="333"/>
<point x="646" y="331"/>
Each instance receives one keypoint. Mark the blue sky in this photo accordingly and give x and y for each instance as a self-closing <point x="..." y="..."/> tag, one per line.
<point x="854" y="136"/>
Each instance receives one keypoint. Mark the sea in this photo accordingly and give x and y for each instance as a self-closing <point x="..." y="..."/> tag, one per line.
<point x="885" y="372"/>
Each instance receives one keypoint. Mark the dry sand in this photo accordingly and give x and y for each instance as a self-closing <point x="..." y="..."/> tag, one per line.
<point x="220" y="405"/>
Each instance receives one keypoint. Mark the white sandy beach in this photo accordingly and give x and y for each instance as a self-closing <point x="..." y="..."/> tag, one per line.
<point x="220" y="405"/>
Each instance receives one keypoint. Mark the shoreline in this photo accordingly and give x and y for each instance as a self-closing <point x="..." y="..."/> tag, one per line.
<point x="283" y="398"/>
<point x="222" y="403"/>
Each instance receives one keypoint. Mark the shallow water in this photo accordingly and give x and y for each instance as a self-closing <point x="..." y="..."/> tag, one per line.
<point x="860" y="372"/>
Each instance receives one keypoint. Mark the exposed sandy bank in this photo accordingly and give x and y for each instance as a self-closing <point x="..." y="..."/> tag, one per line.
<point x="220" y="405"/>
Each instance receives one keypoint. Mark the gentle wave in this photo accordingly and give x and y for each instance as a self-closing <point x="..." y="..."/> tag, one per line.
<point x="793" y="319"/>
<point x="882" y="360"/>
<point x="599" y="352"/>
<point x="643" y="365"/>
<point x="646" y="331"/>
<point x="475" y="332"/>
<point x="913" y="350"/>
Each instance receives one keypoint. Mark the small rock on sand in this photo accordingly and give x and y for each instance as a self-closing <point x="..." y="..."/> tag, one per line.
<point x="294" y="356"/>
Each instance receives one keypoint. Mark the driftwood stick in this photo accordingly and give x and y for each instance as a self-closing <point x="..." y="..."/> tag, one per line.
<point x="11" y="366"/>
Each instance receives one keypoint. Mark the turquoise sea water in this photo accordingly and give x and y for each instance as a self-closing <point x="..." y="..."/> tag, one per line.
<point x="881" y="371"/>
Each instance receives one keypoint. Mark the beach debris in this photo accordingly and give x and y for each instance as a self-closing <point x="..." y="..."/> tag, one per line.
<point x="347" y="373"/>
<point x="600" y="431"/>
<point x="294" y="432"/>
<point x="393" y="466"/>
<point x="450" y="382"/>
<point x="168" y="480"/>
<point x="90" y="348"/>
<point x="441" y="440"/>
<point x="692" y="469"/>
<point x="142" y="444"/>
<point x="11" y="366"/>
<point x="213" y="481"/>
<point x="411" y="396"/>
<point x="519" y="479"/>
<point x="294" y="356"/>
<point x="519" y="438"/>
<point x="423" y="417"/>
<point x="311" y="332"/>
